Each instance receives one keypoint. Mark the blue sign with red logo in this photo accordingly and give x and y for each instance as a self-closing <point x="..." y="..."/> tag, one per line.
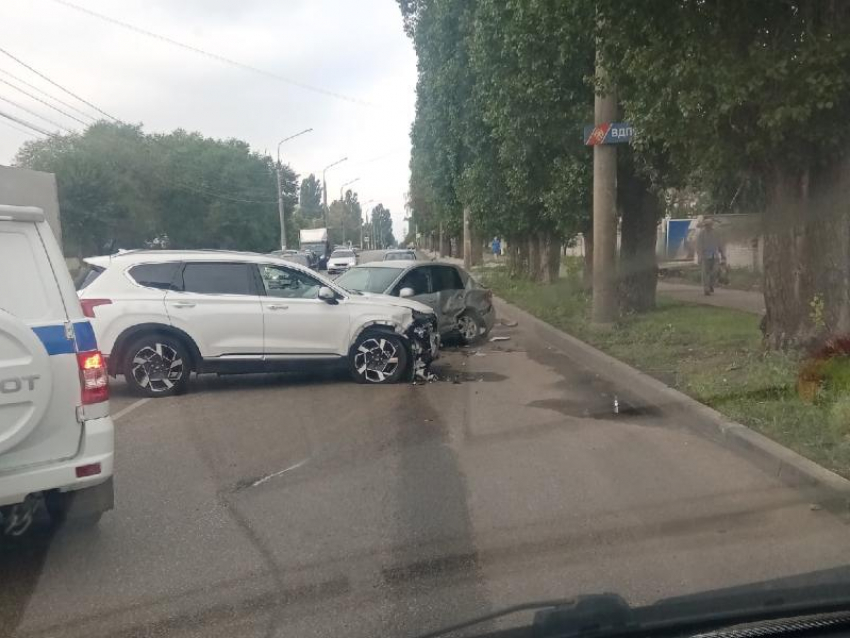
<point x="608" y="133"/>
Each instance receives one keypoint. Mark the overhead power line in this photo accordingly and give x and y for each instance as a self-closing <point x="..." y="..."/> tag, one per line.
<point x="45" y="102"/>
<point x="214" y="56"/>
<point x="18" y="128"/>
<point x="11" y="117"/>
<point x="199" y="191"/>
<point x="35" y="114"/>
<point x="47" y="95"/>
<point x="57" y="85"/>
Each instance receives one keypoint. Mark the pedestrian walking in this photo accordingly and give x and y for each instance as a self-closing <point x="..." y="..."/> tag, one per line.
<point x="497" y="247"/>
<point x="711" y="254"/>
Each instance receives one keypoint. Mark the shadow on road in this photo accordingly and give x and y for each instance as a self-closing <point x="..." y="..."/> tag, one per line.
<point x="21" y="563"/>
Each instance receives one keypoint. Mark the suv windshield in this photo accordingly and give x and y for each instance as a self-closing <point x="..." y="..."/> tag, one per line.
<point x="368" y="279"/>
<point x="342" y="253"/>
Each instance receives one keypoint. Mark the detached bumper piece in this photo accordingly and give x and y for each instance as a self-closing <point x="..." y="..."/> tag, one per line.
<point x="424" y="345"/>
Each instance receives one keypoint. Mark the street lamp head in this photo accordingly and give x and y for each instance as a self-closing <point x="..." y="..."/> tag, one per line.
<point x="339" y="161"/>
<point x="291" y="137"/>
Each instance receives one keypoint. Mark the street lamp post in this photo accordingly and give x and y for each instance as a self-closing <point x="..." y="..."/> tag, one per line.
<point x="325" y="186"/>
<point x="362" y="223"/>
<point x="356" y="179"/>
<point x="280" y="188"/>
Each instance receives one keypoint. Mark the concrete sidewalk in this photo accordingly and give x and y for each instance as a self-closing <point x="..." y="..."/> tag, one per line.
<point x="743" y="300"/>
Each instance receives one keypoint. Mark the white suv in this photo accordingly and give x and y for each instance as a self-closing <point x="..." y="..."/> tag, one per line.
<point x="56" y="436"/>
<point x="159" y="315"/>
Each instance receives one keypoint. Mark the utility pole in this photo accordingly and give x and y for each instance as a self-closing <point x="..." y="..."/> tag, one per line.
<point x="325" y="186"/>
<point x="363" y="209"/>
<point x="344" y="210"/>
<point x="604" y="210"/>
<point x="280" y="188"/>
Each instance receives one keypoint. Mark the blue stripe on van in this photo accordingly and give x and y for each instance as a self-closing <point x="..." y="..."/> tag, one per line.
<point x="55" y="342"/>
<point x="85" y="336"/>
<point x="54" y="339"/>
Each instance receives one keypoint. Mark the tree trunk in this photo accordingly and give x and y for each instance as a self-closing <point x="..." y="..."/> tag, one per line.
<point x="518" y="247"/>
<point x="806" y="255"/>
<point x="587" y="271"/>
<point x="534" y="258"/>
<point x="477" y="257"/>
<point x="550" y="262"/>
<point x="640" y="210"/>
<point x="467" y="238"/>
<point x="445" y="245"/>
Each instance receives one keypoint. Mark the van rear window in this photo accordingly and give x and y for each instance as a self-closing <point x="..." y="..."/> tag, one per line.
<point x="87" y="274"/>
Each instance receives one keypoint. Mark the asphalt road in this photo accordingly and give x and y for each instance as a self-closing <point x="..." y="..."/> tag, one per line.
<point x="287" y="505"/>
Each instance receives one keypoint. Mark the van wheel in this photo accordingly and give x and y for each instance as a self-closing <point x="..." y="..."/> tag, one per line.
<point x="157" y="365"/>
<point x="378" y="357"/>
<point x="470" y="327"/>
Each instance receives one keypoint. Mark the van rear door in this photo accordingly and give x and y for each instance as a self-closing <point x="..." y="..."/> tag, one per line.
<point x="39" y="374"/>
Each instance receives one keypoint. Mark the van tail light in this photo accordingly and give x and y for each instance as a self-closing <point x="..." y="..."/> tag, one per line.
<point x="93" y="378"/>
<point x="90" y="304"/>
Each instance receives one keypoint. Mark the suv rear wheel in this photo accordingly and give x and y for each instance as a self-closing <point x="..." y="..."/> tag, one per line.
<point x="378" y="357"/>
<point x="157" y="365"/>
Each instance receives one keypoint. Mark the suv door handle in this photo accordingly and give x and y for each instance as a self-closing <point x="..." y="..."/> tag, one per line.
<point x="183" y="304"/>
<point x="274" y="306"/>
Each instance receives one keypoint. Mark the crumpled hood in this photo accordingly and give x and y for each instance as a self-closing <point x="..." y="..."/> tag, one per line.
<point x="390" y="300"/>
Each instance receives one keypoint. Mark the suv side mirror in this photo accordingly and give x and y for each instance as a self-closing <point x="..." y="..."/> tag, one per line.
<point x="327" y="295"/>
<point x="406" y="292"/>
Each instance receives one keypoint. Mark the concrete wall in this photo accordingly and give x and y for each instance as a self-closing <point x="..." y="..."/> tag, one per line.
<point x="23" y="187"/>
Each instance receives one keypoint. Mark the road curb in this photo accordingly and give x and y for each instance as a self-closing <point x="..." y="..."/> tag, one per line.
<point x="788" y="466"/>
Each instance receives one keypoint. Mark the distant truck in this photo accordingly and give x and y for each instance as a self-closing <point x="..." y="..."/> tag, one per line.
<point x="316" y="241"/>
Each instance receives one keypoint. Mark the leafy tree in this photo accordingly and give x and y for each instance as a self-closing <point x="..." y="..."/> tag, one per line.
<point x="345" y="219"/>
<point x="120" y="188"/>
<point x="310" y="205"/>
<point x="744" y="97"/>
<point x="382" y="226"/>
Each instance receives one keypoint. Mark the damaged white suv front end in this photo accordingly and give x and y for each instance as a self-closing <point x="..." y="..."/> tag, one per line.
<point x="393" y="339"/>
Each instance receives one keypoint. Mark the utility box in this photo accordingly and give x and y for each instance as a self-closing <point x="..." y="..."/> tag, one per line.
<point x="25" y="187"/>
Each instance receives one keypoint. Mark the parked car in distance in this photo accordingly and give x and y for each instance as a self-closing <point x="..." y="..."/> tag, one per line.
<point x="341" y="260"/>
<point x="463" y="306"/>
<point x="56" y="435"/>
<point x="295" y="256"/>
<point x="400" y="255"/>
<point x="160" y="315"/>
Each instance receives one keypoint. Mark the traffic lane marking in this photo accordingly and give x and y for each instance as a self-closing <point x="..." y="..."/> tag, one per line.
<point x="129" y="408"/>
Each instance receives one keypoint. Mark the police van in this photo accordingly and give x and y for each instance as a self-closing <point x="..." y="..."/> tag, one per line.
<point x="56" y="435"/>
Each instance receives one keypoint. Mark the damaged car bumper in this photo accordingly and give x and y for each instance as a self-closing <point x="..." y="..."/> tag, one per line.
<point x="424" y="340"/>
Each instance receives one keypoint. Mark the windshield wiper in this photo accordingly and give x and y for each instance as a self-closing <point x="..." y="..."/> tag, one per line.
<point x="609" y="615"/>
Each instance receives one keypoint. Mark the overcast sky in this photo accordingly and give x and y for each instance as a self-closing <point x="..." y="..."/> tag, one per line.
<point x="355" y="49"/>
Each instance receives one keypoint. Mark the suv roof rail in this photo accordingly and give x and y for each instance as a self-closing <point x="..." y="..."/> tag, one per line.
<point x="21" y="213"/>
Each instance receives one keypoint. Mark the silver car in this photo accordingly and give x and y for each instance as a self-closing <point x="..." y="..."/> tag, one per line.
<point x="463" y="306"/>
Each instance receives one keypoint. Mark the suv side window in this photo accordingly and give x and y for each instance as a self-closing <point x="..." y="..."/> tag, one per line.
<point x="159" y="276"/>
<point x="217" y="278"/>
<point x="287" y="283"/>
<point x="418" y="278"/>
<point x="446" y="278"/>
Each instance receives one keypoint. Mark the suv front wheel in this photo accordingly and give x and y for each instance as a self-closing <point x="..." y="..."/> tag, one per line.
<point x="378" y="357"/>
<point x="157" y="365"/>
